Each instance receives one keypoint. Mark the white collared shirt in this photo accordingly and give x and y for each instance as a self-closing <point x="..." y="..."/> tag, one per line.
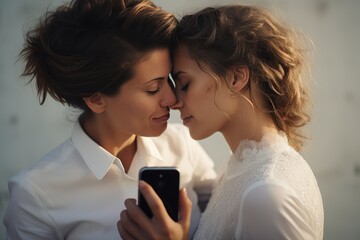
<point x="77" y="191"/>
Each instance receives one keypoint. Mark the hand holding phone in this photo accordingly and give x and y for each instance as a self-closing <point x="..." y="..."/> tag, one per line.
<point x="165" y="182"/>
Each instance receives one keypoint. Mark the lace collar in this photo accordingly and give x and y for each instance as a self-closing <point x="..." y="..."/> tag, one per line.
<point x="269" y="141"/>
<point x="250" y="152"/>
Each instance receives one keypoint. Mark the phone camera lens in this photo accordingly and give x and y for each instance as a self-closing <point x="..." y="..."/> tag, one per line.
<point x="161" y="184"/>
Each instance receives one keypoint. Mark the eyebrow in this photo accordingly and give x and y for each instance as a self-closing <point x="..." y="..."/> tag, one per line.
<point x="175" y="75"/>
<point x="155" y="79"/>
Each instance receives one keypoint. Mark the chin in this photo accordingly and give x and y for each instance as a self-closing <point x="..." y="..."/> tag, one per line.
<point x="155" y="132"/>
<point x="196" y="135"/>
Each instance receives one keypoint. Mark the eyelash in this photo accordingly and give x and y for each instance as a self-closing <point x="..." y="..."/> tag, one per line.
<point x="185" y="87"/>
<point x="153" y="92"/>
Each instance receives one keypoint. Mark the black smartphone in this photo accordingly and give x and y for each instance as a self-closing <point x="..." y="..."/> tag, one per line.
<point x="165" y="182"/>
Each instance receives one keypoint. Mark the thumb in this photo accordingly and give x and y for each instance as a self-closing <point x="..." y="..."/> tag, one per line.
<point x="185" y="209"/>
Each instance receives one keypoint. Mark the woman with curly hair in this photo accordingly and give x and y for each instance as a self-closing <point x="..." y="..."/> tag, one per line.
<point x="238" y="71"/>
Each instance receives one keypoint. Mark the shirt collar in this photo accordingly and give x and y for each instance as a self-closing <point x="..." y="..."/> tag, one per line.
<point x="96" y="157"/>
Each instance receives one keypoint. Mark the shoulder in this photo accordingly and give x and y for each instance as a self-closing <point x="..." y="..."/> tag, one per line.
<point x="290" y="167"/>
<point x="267" y="192"/>
<point x="43" y="168"/>
<point x="278" y="161"/>
<point x="274" y="207"/>
<point x="286" y="169"/>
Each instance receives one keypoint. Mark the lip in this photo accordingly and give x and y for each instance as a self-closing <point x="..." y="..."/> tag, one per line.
<point x="186" y="119"/>
<point x="163" y="118"/>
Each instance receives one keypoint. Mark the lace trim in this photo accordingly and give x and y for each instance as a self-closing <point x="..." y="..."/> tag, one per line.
<point x="250" y="152"/>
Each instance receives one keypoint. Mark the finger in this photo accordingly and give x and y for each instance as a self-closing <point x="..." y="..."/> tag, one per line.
<point x="133" y="200"/>
<point x="122" y="231"/>
<point x="129" y="228"/>
<point x="153" y="200"/>
<point x="185" y="208"/>
<point x="136" y="215"/>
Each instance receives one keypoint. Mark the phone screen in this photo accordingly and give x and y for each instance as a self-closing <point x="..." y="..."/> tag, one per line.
<point x="165" y="182"/>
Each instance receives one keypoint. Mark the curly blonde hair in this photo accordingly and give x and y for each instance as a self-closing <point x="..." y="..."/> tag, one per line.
<point x="236" y="35"/>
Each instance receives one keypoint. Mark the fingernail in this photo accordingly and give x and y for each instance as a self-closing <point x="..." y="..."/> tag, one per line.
<point x="141" y="184"/>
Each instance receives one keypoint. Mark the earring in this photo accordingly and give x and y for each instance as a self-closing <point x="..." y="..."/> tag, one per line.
<point x="231" y="92"/>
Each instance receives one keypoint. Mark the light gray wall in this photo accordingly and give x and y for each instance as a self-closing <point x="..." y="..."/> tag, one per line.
<point x="27" y="130"/>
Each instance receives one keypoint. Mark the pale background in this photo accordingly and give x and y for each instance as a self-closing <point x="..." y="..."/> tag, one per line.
<point x="27" y="130"/>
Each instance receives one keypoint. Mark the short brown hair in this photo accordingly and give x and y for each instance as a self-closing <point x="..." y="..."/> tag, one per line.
<point x="90" y="46"/>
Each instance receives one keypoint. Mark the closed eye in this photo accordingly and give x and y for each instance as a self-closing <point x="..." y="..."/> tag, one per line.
<point x="154" y="92"/>
<point x="184" y="87"/>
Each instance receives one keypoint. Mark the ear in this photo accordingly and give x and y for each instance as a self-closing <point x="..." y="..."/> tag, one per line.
<point x="238" y="78"/>
<point x="96" y="102"/>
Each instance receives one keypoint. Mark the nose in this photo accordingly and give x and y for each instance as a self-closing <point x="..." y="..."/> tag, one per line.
<point x="178" y="104"/>
<point x="169" y="97"/>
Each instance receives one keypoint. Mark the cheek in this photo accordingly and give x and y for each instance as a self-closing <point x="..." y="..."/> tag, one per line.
<point x="226" y="102"/>
<point x="145" y="107"/>
<point x="138" y="107"/>
<point x="201" y="94"/>
<point x="207" y="98"/>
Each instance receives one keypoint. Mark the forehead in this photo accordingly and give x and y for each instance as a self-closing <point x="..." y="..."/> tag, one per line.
<point x="155" y="64"/>
<point x="181" y="55"/>
<point x="182" y="61"/>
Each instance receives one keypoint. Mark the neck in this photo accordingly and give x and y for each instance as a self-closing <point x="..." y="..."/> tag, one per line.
<point x="120" y="144"/>
<point x="252" y="127"/>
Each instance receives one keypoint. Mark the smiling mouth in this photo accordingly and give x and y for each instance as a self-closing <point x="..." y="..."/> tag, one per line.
<point x="163" y="118"/>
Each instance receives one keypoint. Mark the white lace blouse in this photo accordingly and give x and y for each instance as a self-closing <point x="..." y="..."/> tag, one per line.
<point x="268" y="191"/>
